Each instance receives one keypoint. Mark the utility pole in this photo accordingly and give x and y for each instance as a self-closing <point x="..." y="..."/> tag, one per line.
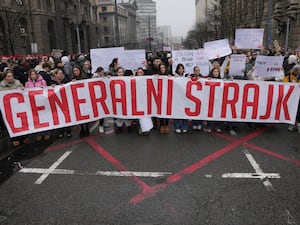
<point x="117" y="31"/>
<point x="269" y="23"/>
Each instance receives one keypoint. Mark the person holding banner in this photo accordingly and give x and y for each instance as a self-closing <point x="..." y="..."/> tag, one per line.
<point x="163" y="123"/>
<point x="180" y="125"/>
<point x="10" y="83"/>
<point x="197" y="124"/>
<point x="99" y="73"/>
<point x="78" y="75"/>
<point x="294" y="76"/>
<point x="119" y="122"/>
<point x="59" y="78"/>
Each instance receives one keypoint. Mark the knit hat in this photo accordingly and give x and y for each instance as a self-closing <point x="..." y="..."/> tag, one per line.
<point x="65" y="59"/>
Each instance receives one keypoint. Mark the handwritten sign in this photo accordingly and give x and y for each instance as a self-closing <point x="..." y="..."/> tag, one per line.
<point x="190" y="59"/>
<point x="132" y="59"/>
<point x="249" y="38"/>
<point x="217" y="49"/>
<point x="268" y="66"/>
<point x="237" y="65"/>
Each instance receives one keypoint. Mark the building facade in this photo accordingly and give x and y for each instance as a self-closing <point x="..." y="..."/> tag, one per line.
<point x="284" y="25"/>
<point x="164" y="36"/>
<point x="48" y="24"/>
<point x="147" y="26"/>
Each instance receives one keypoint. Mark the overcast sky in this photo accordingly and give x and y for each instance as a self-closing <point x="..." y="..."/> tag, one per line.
<point x="179" y="14"/>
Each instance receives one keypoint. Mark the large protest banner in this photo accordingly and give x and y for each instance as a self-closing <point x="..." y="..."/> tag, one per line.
<point x="249" y="38"/>
<point x="190" y="59"/>
<point x="132" y="59"/>
<point x="237" y="65"/>
<point x="104" y="56"/>
<point x="217" y="49"/>
<point x="268" y="66"/>
<point x="40" y="109"/>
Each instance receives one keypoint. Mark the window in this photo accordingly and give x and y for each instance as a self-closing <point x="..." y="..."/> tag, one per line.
<point x="106" y="39"/>
<point x="105" y="30"/>
<point x="105" y="19"/>
<point x="104" y="8"/>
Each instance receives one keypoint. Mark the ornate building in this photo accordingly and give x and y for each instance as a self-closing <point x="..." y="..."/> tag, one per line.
<point x="38" y="26"/>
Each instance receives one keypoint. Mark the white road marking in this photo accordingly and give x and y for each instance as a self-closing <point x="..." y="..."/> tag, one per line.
<point x="46" y="171"/>
<point x="131" y="174"/>
<point x="252" y="175"/>
<point x="41" y="179"/>
<point x="258" y="170"/>
<point x="98" y="173"/>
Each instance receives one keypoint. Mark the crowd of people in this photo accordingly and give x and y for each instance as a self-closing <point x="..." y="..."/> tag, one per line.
<point x="30" y="72"/>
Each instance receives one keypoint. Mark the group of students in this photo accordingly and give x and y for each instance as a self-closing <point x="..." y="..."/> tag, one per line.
<point x="51" y="73"/>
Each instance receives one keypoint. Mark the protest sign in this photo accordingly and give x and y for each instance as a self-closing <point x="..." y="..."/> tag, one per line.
<point x="249" y="38"/>
<point x="41" y="109"/>
<point x="268" y="66"/>
<point x="237" y="65"/>
<point x="217" y="49"/>
<point x="132" y="59"/>
<point x="104" y="56"/>
<point x="190" y="59"/>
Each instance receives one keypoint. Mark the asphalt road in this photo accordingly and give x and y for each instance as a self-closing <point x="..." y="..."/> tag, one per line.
<point x="185" y="179"/>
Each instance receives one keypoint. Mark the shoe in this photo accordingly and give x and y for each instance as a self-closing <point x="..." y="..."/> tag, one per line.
<point x="69" y="134"/>
<point x="61" y="136"/>
<point x="218" y="130"/>
<point x="39" y="138"/>
<point x="184" y="131"/>
<point x="232" y="132"/>
<point x="208" y="130"/>
<point x="47" y="137"/>
<point x="101" y="129"/>
<point x="194" y="127"/>
<point x="178" y="131"/>
<point x="199" y="127"/>
<point x="16" y="143"/>
<point x="167" y="129"/>
<point x="162" y="129"/>
<point x="291" y="128"/>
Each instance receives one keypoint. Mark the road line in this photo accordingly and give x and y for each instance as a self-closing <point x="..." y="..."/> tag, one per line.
<point x="46" y="171"/>
<point x="42" y="178"/>
<point x="116" y="163"/>
<point x="252" y="175"/>
<point x="132" y="174"/>
<point x="258" y="170"/>
<point x="152" y="191"/>
<point x="98" y="173"/>
<point x="276" y="155"/>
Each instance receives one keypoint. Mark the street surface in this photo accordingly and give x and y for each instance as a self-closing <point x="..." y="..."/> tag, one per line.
<point x="173" y="179"/>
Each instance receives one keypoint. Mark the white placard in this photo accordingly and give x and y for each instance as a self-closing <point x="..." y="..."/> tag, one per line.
<point x="132" y="59"/>
<point x="217" y="49"/>
<point x="237" y="65"/>
<point x="146" y="124"/>
<point x="249" y="38"/>
<point x="104" y="56"/>
<point x="268" y="66"/>
<point x="190" y="59"/>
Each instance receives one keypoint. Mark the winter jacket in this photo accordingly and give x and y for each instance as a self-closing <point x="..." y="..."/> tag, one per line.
<point x="40" y="82"/>
<point x="4" y="85"/>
